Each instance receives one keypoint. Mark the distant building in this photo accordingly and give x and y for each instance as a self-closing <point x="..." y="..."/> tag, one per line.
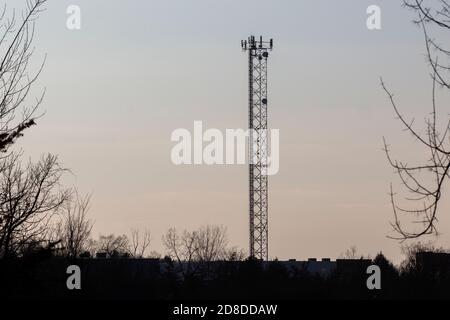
<point x="323" y="268"/>
<point x="435" y="263"/>
<point x="352" y="266"/>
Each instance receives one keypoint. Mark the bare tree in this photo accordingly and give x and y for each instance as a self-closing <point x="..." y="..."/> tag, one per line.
<point x="113" y="246"/>
<point x="29" y="197"/>
<point x="410" y="251"/>
<point x="195" y="250"/>
<point x="16" y="50"/>
<point x="351" y="253"/>
<point x="180" y="248"/>
<point x="424" y="182"/>
<point x="211" y="243"/>
<point x="208" y="243"/>
<point x="139" y="243"/>
<point x="234" y="254"/>
<point x="74" y="229"/>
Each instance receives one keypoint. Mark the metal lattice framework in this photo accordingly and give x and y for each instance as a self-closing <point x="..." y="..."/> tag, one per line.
<point x="258" y="52"/>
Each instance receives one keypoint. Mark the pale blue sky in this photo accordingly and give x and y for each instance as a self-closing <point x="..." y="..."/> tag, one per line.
<point x="139" y="69"/>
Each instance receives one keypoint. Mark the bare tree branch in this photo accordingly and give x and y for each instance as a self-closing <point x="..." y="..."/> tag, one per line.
<point x="74" y="229"/>
<point x="29" y="197"/>
<point x="139" y="244"/>
<point x="16" y="39"/>
<point x="424" y="182"/>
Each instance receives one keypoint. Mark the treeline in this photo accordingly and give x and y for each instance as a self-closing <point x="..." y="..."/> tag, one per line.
<point x="167" y="279"/>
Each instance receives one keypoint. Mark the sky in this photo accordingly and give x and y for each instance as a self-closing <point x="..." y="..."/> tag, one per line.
<point x="137" y="70"/>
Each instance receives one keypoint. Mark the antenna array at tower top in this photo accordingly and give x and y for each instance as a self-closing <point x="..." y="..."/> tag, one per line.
<point x="253" y="43"/>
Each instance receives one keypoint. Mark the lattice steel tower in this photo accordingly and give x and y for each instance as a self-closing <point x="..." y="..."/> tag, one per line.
<point x="258" y="52"/>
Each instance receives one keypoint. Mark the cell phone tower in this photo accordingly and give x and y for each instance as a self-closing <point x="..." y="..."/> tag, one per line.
<point x="258" y="52"/>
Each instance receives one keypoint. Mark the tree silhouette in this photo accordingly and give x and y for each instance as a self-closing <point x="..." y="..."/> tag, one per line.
<point x="29" y="196"/>
<point x="74" y="229"/>
<point x="139" y="243"/>
<point x="424" y="181"/>
<point x="16" y="50"/>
